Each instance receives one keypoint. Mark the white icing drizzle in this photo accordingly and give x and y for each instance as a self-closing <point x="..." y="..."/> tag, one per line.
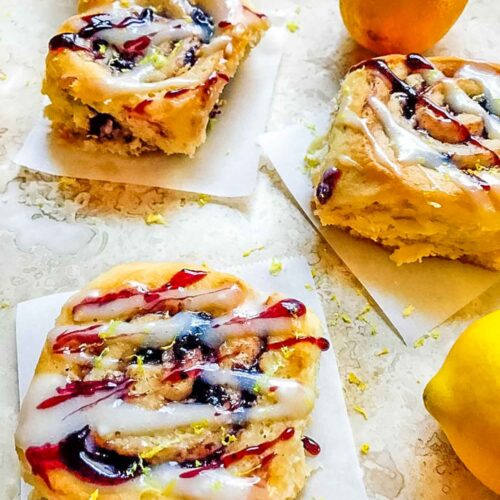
<point x="227" y="298"/>
<point x="346" y="116"/>
<point x="460" y="102"/>
<point x="489" y="82"/>
<point x="107" y="414"/>
<point x="412" y="150"/>
<point x="162" y="332"/>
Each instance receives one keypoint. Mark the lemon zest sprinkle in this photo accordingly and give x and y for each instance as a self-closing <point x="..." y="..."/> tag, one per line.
<point x="408" y="311"/>
<point x="361" y="411"/>
<point x="364" y="449"/>
<point x="250" y="251"/>
<point x="217" y="485"/>
<point x="111" y="330"/>
<point x="383" y="352"/>
<point x="152" y="452"/>
<point x="292" y="26"/>
<point x="94" y="495"/>
<point x="355" y="380"/>
<point x="155" y="219"/>
<point x="4" y="304"/>
<point x="276" y="267"/>
<point x="421" y="341"/>
<point x="203" y="199"/>
<point x="308" y="287"/>
<point x="346" y="318"/>
<point x="98" y="359"/>
<point x="435" y="334"/>
<point x="286" y="351"/>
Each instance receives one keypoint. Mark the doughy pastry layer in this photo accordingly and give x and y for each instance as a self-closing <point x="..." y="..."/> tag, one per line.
<point x="413" y="160"/>
<point x="130" y="76"/>
<point x="171" y="381"/>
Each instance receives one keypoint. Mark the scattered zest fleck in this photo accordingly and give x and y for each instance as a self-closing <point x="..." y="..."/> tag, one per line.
<point x="203" y="199"/>
<point x="111" y="330"/>
<point x="152" y="452"/>
<point x="420" y="342"/>
<point x="3" y="76"/>
<point x="308" y="287"/>
<point x="292" y="26"/>
<point x="228" y="439"/>
<point x="286" y="351"/>
<point x="435" y="334"/>
<point x="249" y="252"/>
<point x="276" y="267"/>
<point x="94" y="495"/>
<point x="155" y="219"/>
<point x="98" y="359"/>
<point x="4" y="304"/>
<point x="383" y="352"/>
<point x="346" y="318"/>
<point x="408" y="311"/>
<point x="361" y="411"/>
<point x="200" y="427"/>
<point x="217" y="485"/>
<point x="364" y="449"/>
<point x="353" y="379"/>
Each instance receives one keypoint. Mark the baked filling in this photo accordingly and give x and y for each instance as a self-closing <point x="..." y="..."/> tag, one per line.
<point x="197" y="388"/>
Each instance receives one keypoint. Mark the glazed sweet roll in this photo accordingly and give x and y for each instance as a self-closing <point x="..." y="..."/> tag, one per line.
<point x="131" y="77"/>
<point x="167" y="381"/>
<point x="413" y="160"/>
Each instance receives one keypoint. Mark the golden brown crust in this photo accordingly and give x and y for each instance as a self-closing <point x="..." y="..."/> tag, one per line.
<point x="414" y="210"/>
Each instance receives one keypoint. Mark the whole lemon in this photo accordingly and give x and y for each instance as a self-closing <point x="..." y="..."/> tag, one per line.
<point x="464" y="396"/>
<point x="399" y="26"/>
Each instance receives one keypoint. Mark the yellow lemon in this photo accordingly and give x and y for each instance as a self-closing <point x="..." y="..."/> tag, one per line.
<point x="399" y="26"/>
<point x="464" y="396"/>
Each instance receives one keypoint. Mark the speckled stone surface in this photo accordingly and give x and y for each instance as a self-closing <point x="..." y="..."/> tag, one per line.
<point x="55" y="236"/>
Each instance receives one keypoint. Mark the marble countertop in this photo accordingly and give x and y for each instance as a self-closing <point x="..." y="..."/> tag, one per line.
<point x="55" y="236"/>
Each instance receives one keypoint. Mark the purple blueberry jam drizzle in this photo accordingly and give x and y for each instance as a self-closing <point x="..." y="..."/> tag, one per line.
<point x="125" y="57"/>
<point x="326" y="187"/>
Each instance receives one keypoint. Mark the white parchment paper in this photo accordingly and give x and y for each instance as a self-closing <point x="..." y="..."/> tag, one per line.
<point x="436" y="288"/>
<point x="226" y="165"/>
<point x="337" y="470"/>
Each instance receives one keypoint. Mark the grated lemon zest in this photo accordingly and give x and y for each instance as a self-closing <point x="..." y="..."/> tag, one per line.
<point x="94" y="495"/>
<point x="250" y="251"/>
<point x="361" y="411"/>
<point x="154" y="219"/>
<point x="292" y="26"/>
<point x="364" y="449"/>
<point x="383" y="352"/>
<point x="408" y="311"/>
<point x="203" y="199"/>
<point x="276" y="267"/>
<point x="353" y="379"/>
